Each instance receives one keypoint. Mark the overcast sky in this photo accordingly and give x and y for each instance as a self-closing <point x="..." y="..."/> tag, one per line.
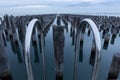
<point x="70" y="3"/>
<point x="59" y="6"/>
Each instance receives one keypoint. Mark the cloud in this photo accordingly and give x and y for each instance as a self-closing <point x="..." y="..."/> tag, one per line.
<point x="56" y="6"/>
<point x="31" y="6"/>
<point x="55" y="3"/>
<point x="92" y="1"/>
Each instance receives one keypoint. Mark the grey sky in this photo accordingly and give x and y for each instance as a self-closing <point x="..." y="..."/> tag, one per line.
<point x="11" y="3"/>
<point x="59" y="6"/>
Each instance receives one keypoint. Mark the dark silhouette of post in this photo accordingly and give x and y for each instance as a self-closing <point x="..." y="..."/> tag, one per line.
<point x="92" y="55"/>
<point x="58" y="37"/>
<point x="13" y="45"/>
<point x="89" y="31"/>
<point x="114" y="31"/>
<point x="113" y="39"/>
<point x="36" y="45"/>
<point x="7" y="20"/>
<point x="73" y="37"/>
<point x="36" y="53"/>
<point x="106" y="41"/>
<point x="114" y="68"/>
<point x="4" y="65"/>
<point x="3" y="32"/>
<point x="58" y="20"/>
<point x="21" y="29"/>
<point x="81" y="51"/>
<point x="65" y="23"/>
<point x="18" y="52"/>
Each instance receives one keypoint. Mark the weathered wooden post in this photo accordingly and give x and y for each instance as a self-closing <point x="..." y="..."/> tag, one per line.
<point x="4" y="65"/>
<point x="58" y="37"/>
<point x="81" y="51"/>
<point x="92" y="54"/>
<point x="58" y="20"/>
<point x="114" y="68"/>
<point x="106" y="41"/>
